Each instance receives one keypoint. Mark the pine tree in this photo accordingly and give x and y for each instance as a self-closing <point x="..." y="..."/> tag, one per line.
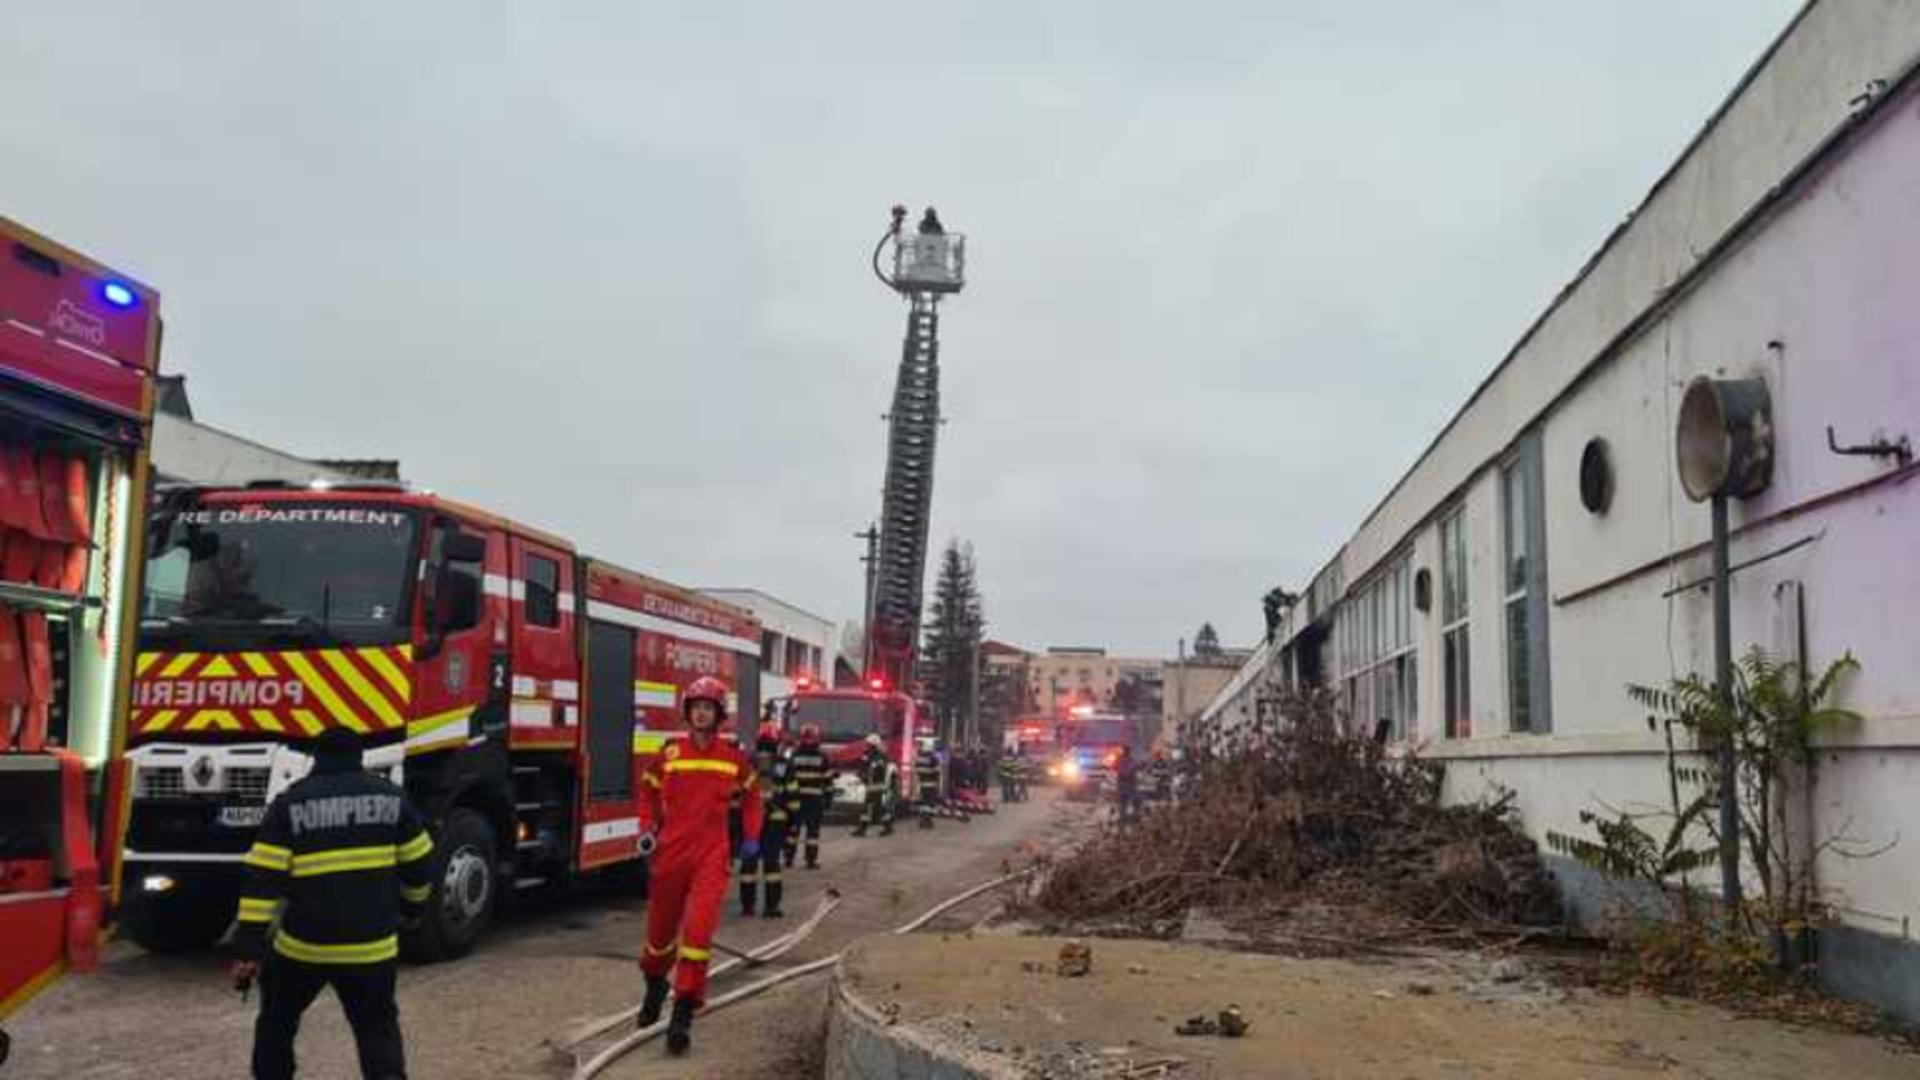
<point x="952" y="639"/>
<point x="1206" y="643"/>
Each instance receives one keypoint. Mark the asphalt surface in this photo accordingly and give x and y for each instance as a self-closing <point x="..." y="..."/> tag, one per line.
<point x="543" y="970"/>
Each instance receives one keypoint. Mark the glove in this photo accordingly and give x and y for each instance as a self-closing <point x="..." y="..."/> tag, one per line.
<point x="749" y="850"/>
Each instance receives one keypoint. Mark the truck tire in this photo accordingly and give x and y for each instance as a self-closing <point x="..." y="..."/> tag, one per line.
<point x="465" y="890"/>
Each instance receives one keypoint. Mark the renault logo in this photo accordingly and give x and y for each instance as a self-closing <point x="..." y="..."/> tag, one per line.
<point x="203" y="771"/>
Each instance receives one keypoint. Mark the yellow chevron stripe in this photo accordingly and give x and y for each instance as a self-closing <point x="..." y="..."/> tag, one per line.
<point x="377" y="660"/>
<point x="308" y="722"/>
<point x="321" y="689"/>
<point x="258" y="664"/>
<point x="266" y="721"/>
<point x="145" y="661"/>
<point x="219" y="718"/>
<point x="218" y="668"/>
<point x="178" y="665"/>
<point x="361" y="688"/>
<point x="161" y="719"/>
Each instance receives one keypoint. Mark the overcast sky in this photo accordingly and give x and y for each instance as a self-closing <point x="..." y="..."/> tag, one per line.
<point x="601" y="265"/>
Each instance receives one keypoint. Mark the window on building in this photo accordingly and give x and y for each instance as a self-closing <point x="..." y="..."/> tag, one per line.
<point x="1523" y="587"/>
<point x="1455" y="660"/>
<point x="1377" y="653"/>
<point x="543" y="591"/>
<point x="769" y="651"/>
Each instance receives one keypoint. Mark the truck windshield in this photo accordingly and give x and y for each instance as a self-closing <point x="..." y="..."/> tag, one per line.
<point x="1097" y="733"/>
<point x="839" y="719"/>
<point x="324" y="570"/>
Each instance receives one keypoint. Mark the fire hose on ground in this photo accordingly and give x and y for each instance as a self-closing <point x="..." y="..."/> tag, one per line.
<point x="593" y="1066"/>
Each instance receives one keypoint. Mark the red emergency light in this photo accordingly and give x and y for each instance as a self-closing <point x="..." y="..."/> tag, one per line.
<point x="804" y="682"/>
<point x="876" y="684"/>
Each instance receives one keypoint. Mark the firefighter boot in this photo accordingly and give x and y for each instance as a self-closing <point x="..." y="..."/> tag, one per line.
<point x="772" y="910"/>
<point x="680" y="1028"/>
<point x="656" y="1000"/>
<point x="749" y="891"/>
<point x="813" y="855"/>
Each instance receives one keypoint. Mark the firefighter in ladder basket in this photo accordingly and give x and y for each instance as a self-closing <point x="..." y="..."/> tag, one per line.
<point x="341" y="859"/>
<point x="762" y="870"/>
<point x="877" y="774"/>
<point x="811" y="777"/>
<point x="686" y="794"/>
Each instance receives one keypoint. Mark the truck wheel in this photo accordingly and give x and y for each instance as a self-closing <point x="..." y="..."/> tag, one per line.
<point x="464" y="893"/>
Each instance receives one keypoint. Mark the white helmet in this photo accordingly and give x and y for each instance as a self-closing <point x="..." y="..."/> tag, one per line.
<point x="875" y="740"/>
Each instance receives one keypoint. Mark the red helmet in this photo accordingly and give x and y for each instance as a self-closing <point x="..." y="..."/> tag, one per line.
<point x="809" y="733"/>
<point x="770" y="732"/>
<point x="704" y="688"/>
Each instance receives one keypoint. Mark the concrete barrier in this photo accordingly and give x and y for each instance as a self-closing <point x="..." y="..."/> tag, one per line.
<point x="863" y="1043"/>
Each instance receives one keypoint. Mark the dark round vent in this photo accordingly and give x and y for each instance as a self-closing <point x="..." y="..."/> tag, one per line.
<point x="1596" y="476"/>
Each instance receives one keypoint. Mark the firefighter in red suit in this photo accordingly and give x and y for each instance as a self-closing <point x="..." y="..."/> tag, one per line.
<point x="686" y="794"/>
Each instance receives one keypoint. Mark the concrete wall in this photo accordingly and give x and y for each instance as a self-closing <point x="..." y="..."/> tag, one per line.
<point x="1815" y="295"/>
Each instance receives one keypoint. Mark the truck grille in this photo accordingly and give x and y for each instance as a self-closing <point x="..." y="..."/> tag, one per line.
<point x="162" y="782"/>
<point x="169" y="782"/>
<point x="249" y="785"/>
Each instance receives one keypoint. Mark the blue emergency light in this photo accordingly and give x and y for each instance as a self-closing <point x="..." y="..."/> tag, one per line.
<point x="113" y="292"/>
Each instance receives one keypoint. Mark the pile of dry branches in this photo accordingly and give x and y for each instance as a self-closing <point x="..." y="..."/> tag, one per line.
<point x="1310" y="812"/>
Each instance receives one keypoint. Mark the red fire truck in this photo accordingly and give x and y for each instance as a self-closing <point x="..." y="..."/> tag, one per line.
<point x="845" y="717"/>
<point x="514" y="686"/>
<point x="79" y="345"/>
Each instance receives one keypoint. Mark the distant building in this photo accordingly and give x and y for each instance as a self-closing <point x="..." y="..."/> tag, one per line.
<point x="794" y="642"/>
<point x="1064" y="676"/>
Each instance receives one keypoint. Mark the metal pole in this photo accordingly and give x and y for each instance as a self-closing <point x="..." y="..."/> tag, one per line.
<point x="1180" y="687"/>
<point x="872" y="561"/>
<point x="973" y="696"/>
<point x="1730" y="891"/>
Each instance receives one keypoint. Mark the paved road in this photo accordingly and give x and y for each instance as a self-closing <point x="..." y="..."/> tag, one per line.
<point x="542" y="972"/>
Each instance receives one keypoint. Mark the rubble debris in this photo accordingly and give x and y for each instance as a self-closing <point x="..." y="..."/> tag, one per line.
<point x="1198" y="1025"/>
<point x="1311" y="813"/>
<point x="1232" y="1024"/>
<point x="1136" y="969"/>
<point x="1076" y="959"/>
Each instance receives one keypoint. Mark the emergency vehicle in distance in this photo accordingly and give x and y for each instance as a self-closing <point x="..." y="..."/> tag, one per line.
<point x="845" y="717"/>
<point x="79" y="346"/>
<point x="1088" y="745"/>
<point x="513" y="686"/>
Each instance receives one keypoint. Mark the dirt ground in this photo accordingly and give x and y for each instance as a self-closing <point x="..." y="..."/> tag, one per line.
<point x="542" y="971"/>
<point x="1439" y="1015"/>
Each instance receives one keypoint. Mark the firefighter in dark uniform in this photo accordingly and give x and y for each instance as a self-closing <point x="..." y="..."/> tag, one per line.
<point x="811" y="789"/>
<point x="1009" y="776"/>
<point x="926" y="777"/>
<point x="877" y="774"/>
<point x="776" y="792"/>
<point x="342" y="858"/>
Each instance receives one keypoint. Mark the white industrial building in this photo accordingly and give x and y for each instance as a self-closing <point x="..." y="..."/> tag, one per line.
<point x="1492" y="613"/>
<point x="794" y="643"/>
